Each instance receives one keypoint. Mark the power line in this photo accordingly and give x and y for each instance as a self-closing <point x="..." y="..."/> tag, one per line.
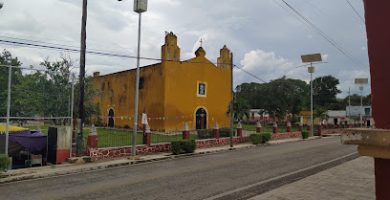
<point x="249" y="73"/>
<point x="52" y="46"/>
<point x="322" y="33"/>
<point x="355" y="11"/>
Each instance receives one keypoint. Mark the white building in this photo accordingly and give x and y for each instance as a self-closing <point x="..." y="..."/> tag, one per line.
<point x="336" y="117"/>
<point x="356" y="111"/>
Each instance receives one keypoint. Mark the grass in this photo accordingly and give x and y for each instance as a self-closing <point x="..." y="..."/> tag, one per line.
<point x="108" y="137"/>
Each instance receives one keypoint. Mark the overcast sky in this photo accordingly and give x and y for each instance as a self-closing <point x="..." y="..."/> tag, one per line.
<point x="266" y="37"/>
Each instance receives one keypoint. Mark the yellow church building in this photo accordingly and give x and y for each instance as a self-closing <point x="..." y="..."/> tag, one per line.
<point x="171" y="93"/>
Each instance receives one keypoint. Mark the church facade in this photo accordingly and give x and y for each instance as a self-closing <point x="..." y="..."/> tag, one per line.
<point x="171" y="93"/>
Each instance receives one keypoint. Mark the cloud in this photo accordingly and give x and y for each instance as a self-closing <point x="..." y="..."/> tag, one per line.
<point x="267" y="43"/>
<point x="263" y="64"/>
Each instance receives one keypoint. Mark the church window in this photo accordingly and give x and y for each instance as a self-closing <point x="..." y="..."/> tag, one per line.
<point x="141" y="82"/>
<point x="201" y="89"/>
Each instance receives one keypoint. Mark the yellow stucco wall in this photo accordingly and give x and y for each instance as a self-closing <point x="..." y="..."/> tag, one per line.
<point x="118" y="94"/>
<point x="181" y="93"/>
<point x="170" y="94"/>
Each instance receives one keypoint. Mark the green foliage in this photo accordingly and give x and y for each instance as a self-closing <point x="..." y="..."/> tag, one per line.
<point x="38" y="93"/>
<point x="178" y="147"/>
<point x="205" y="133"/>
<point x="208" y="133"/>
<point x="305" y="134"/>
<point x="278" y="96"/>
<point x="4" y="162"/>
<point x="265" y="137"/>
<point x="325" y="91"/>
<point x="189" y="146"/>
<point x="240" y="107"/>
<point x="224" y="132"/>
<point x="6" y="58"/>
<point x="255" y="138"/>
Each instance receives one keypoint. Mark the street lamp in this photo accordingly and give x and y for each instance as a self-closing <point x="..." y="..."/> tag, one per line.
<point x="1" y="5"/>
<point x="361" y="82"/>
<point x="310" y="58"/>
<point x="140" y="6"/>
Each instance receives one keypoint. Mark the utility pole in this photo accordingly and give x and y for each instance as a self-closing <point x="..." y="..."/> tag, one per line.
<point x="349" y="103"/>
<point x="82" y="75"/>
<point x="231" y="104"/>
<point x="8" y="109"/>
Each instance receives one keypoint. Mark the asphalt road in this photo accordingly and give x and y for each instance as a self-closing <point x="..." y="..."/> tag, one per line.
<point x="189" y="178"/>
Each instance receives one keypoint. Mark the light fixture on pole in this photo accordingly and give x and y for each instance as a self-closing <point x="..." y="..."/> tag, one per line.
<point x="361" y="82"/>
<point x="1" y="5"/>
<point x="140" y="6"/>
<point x="310" y="58"/>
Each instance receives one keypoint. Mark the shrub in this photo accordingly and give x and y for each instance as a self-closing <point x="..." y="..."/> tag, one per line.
<point x="205" y="134"/>
<point x="265" y="137"/>
<point x="178" y="147"/>
<point x="225" y="132"/>
<point x="305" y="134"/>
<point x="255" y="138"/>
<point x="4" y="162"/>
<point x="189" y="146"/>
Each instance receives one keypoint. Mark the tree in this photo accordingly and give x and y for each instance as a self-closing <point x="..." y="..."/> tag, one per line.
<point x="6" y="58"/>
<point x="325" y="91"/>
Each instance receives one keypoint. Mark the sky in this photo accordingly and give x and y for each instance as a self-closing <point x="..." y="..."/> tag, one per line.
<point x="266" y="37"/>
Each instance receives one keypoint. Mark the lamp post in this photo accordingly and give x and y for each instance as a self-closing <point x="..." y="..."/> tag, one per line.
<point x="140" y="6"/>
<point x="1" y="5"/>
<point x="361" y="82"/>
<point x="311" y="71"/>
<point x="310" y="58"/>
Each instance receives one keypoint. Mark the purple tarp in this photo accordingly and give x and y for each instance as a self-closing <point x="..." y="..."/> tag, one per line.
<point x="31" y="140"/>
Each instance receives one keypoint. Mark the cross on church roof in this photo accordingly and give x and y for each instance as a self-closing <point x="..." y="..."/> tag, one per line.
<point x="201" y="42"/>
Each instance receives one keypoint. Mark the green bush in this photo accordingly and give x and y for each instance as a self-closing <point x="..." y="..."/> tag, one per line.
<point x="178" y="147"/>
<point x="305" y="134"/>
<point x="205" y="134"/>
<point x="225" y="132"/>
<point x="255" y="138"/>
<point x="265" y="137"/>
<point x="4" y="162"/>
<point x="188" y="146"/>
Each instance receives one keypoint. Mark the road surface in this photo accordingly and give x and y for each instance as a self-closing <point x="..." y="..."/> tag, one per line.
<point x="200" y="177"/>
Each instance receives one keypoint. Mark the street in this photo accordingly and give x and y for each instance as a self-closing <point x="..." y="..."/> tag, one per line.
<point x="198" y="177"/>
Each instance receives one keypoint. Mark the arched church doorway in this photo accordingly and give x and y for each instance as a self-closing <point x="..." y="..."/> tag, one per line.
<point x="201" y="119"/>
<point x="111" y="122"/>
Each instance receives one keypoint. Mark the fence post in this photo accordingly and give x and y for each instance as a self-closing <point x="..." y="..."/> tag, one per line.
<point x="258" y="127"/>
<point x="239" y="130"/>
<point x="147" y="135"/>
<point x="216" y="131"/>
<point x="288" y="126"/>
<point x="186" y="132"/>
<point x="92" y="141"/>
<point x="275" y="128"/>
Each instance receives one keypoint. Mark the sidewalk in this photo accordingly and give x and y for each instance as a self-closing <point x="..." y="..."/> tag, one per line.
<point x="353" y="180"/>
<point x="67" y="168"/>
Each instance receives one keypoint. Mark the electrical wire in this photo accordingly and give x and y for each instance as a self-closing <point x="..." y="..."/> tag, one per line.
<point x="355" y="11"/>
<point x="322" y="33"/>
